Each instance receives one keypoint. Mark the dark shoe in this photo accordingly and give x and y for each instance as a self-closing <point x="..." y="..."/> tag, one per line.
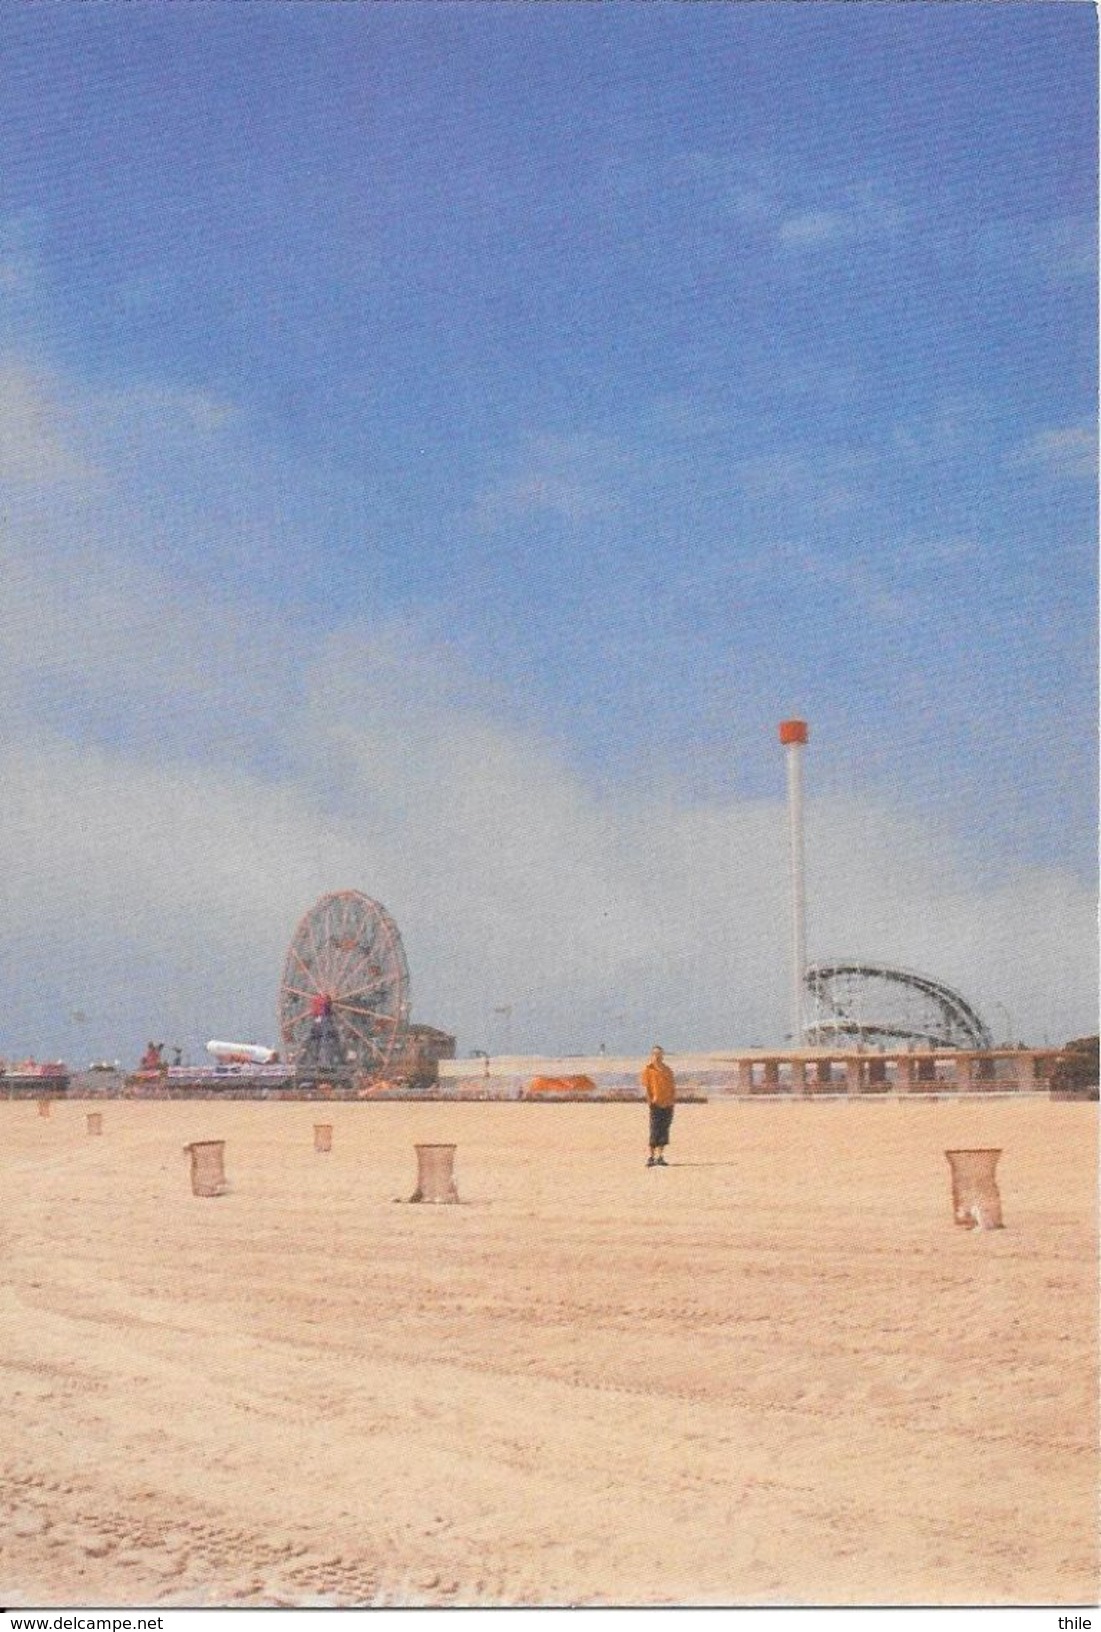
<point x="661" y="1162"/>
<point x="651" y="1161"/>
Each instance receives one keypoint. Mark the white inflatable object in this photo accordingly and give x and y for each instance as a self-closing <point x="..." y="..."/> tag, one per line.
<point x="240" y="1053"/>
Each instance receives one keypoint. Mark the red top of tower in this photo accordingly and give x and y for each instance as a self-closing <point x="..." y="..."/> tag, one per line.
<point x="793" y="731"/>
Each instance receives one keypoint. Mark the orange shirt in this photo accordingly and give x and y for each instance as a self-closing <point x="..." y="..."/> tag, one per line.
<point x="659" y="1083"/>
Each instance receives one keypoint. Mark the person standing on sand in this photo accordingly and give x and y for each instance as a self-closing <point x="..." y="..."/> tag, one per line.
<point x="661" y="1092"/>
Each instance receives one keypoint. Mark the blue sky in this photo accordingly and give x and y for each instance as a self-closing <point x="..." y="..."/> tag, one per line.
<point x="584" y="389"/>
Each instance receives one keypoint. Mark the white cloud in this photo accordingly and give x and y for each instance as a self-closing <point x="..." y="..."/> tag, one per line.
<point x="15" y="273"/>
<point x="37" y="446"/>
<point x="956" y="428"/>
<point x="1066" y="248"/>
<point x="576" y="478"/>
<point x="178" y="886"/>
<point x="843" y="216"/>
<point x="178" y="789"/>
<point x="945" y="552"/>
<point x="743" y="187"/>
<point x="904" y="579"/>
<point x="539" y="492"/>
<point x="814" y="227"/>
<point x="828" y="481"/>
<point x="1061" y="251"/>
<point x="166" y="408"/>
<point x="1066" y="453"/>
<point x="800" y="211"/>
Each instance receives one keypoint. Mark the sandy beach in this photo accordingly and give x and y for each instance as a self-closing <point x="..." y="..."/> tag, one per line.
<point x="775" y="1372"/>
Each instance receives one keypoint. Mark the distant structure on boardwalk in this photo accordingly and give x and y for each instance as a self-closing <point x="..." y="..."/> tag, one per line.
<point x="417" y="1060"/>
<point x="874" y="1005"/>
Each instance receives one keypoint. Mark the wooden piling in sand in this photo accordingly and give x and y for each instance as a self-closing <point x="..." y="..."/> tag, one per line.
<point x="975" y="1199"/>
<point x="208" y="1177"/>
<point x="435" y="1174"/>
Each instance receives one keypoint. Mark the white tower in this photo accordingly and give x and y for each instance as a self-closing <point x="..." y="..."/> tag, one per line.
<point x="793" y="735"/>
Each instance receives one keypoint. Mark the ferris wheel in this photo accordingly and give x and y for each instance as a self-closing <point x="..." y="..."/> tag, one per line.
<point x="344" y="998"/>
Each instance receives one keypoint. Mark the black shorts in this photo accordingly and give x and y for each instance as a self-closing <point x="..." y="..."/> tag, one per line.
<point x="660" y="1118"/>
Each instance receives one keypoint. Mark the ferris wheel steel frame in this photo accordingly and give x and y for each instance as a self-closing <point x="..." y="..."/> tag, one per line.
<point x="881" y="1005"/>
<point x="344" y="999"/>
